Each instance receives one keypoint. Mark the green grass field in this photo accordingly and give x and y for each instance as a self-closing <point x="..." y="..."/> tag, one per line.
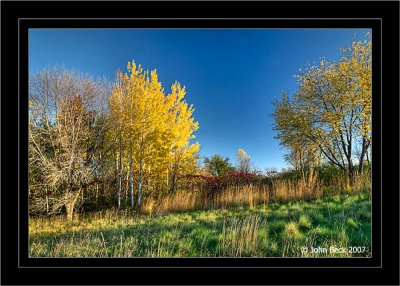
<point x="275" y="230"/>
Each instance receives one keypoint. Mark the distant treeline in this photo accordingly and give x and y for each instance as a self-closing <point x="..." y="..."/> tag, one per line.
<point x="232" y="188"/>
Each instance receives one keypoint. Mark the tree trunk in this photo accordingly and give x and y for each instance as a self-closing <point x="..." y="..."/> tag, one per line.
<point x="47" y="200"/>
<point x="174" y="170"/>
<point x="140" y="183"/>
<point x="361" y="164"/>
<point x="131" y="158"/>
<point x="363" y="151"/>
<point x="167" y="181"/>
<point x="140" y="174"/>
<point x="120" y="172"/>
<point x="70" y="210"/>
<point x="116" y="172"/>
<point x="120" y="156"/>
<point x="172" y="183"/>
<point x="69" y="206"/>
<point x="148" y="181"/>
<point x="127" y="187"/>
<point x="131" y="174"/>
<point x="351" y="174"/>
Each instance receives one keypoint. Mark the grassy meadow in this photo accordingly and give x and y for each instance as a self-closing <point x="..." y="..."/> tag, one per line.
<point x="274" y="229"/>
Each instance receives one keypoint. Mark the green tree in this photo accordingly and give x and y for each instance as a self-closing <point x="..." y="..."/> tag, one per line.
<point x="217" y="165"/>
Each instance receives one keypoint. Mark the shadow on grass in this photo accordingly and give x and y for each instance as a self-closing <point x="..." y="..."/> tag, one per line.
<point x="198" y="233"/>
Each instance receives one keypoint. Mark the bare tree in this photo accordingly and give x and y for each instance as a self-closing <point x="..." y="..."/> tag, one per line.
<point x="62" y="119"/>
<point x="243" y="160"/>
<point x="303" y="157"/>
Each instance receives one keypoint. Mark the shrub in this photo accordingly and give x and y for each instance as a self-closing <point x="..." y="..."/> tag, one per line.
<point x="305" y="222"/>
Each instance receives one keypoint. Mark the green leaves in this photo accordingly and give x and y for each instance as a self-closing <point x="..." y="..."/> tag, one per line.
<point x="217" y="165"/>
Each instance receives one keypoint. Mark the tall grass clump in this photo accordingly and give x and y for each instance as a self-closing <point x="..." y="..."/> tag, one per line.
<point x="177" y="202"/>
<point x="240" y="236"/>
<point x="252" y="194"/>
<point x="307" y="187"/>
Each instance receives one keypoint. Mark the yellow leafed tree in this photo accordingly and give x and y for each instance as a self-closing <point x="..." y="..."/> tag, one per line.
<point x="154" y="131"/>
<point x="181" y="126"/>
<point x="332" y="109"/>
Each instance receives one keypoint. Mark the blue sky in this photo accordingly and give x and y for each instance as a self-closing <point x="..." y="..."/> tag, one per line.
<point x="231" y="75"/>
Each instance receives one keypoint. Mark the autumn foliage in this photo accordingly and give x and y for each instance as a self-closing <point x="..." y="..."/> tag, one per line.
<point x="329" y="118"/>
<point x="130" y="144"/>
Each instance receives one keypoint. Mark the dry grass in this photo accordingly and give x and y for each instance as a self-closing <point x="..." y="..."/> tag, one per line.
<point x="180" y="201"/>
<point x="251" y="195"/>
<point x="341" y="184"/>
<point x="305" y="188"/>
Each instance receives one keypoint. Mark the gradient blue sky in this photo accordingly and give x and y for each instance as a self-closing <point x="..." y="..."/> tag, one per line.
<point x="231" y="75"/>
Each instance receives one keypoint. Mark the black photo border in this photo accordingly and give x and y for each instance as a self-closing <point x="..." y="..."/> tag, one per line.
<point x="18" y="17"/>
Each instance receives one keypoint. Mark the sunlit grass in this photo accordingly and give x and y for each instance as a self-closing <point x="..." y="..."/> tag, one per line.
<point x="264" y="230"/>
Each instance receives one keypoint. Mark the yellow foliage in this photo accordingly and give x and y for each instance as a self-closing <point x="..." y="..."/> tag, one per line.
<point x="158" y="127"/>
<point x="332" y="106"/>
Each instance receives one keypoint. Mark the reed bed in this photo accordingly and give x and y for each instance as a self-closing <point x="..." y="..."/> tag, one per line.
<point x="254" y="194"/>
